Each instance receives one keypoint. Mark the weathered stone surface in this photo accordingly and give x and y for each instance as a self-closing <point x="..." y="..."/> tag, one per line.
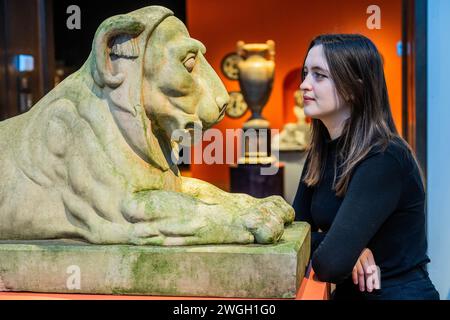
<point x="211" y="270"/>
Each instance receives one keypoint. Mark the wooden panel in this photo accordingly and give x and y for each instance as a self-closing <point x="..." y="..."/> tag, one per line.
<point x="3" y="79"/>
<point x="21" y="37"/>
<point x="26" y="28"/>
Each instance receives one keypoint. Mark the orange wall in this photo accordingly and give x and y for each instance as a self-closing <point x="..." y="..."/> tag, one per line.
<point x="291" y="24"/>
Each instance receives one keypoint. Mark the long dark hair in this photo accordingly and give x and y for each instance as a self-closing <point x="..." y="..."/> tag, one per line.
<point x="357" y="71"/>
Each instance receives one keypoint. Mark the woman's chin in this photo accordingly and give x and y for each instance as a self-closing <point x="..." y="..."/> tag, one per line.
<point x="309" y="113"/>
<point x="313" y="116"/>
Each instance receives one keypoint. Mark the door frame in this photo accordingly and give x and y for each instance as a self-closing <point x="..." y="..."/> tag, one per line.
<point x="414" y="76"/>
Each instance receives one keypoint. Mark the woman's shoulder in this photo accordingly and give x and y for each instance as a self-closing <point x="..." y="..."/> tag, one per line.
<point x="396" y="152"/>
<point x="396" y="161"/>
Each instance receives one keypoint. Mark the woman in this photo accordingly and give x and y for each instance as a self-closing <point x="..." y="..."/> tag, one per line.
<point x="361" y="185"/>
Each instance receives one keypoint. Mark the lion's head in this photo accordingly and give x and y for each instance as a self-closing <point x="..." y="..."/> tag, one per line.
<point x="156" y="80"/>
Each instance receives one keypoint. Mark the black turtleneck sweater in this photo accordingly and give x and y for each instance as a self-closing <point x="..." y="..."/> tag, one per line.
<point x="383" y="210"/>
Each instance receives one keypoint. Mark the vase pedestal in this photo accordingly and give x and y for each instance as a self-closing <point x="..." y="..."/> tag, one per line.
<point x="293" y="161"/>
<point x="247" y="178"/>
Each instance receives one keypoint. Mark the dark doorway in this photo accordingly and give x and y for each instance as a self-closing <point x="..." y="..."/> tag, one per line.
<point x="72" y="47"/>
<point x="35" y="31"/>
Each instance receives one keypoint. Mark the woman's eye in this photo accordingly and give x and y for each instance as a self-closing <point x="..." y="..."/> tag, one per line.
<point x="189" y="63"/>
<point x="304" y="74"/>
<point x="319" y="76"/>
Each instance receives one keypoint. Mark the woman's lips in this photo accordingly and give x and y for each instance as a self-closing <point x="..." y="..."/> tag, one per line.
<point x="307" y="100"/>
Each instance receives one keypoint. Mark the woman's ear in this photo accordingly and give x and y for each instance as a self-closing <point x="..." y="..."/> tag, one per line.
<point x="351" y="97"/>
<point x="115" y="38"/>
<point x="347" y="97"/>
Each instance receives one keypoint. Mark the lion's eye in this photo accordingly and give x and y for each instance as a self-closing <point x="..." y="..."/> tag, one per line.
<point x="189" y="63"/>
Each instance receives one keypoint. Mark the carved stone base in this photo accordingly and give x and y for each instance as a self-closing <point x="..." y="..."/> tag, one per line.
<point x="256" y="271"/>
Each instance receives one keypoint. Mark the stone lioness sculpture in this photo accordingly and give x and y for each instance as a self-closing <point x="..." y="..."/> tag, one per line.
<point x="91" y="160"/>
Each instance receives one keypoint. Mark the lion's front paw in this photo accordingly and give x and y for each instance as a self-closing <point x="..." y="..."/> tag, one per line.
<point x="265" y="222"/>
<point x="285" y="211"/>
<point x="267" y="218"/>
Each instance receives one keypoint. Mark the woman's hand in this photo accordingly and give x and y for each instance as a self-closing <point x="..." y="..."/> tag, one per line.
<point x="365" y="272"/>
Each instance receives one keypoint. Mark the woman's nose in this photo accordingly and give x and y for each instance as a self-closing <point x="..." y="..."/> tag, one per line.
<point x="305" y="86"/>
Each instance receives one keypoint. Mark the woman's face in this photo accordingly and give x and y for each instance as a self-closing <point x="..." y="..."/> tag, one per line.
<point x="321" y="100"/>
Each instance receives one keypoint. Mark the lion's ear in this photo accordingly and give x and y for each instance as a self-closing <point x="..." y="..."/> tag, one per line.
<point x="115" y="37"/>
